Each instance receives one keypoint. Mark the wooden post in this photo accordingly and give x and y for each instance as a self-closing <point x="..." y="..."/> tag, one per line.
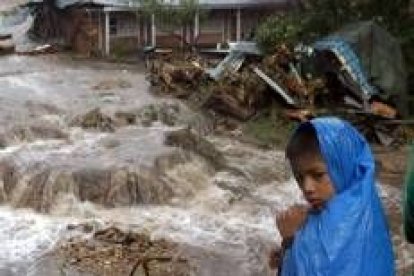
<point x="100" y="32"/>
<point x="107" y="34"/>
<point x="238" y="23"/>
<point x="196" y="27"/>
<point x="145" y="31"/>
<point x="138" y="24"/>
<point x="229" y="25"/>
<point x="223" y="23"/>
<point x="183" y="35"/>
<point x="153" y="31"/>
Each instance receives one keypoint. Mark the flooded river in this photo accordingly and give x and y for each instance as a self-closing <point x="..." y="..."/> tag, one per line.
<point x="84" y="142"/>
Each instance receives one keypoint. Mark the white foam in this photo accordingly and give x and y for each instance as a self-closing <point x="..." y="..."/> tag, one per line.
<point x="25" y="235"/>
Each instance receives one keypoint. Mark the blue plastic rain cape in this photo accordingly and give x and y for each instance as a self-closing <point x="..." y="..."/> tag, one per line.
<point x="350" y="236"/>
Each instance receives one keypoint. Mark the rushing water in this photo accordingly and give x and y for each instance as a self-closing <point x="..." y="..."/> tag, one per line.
<point x="49" y="163"/>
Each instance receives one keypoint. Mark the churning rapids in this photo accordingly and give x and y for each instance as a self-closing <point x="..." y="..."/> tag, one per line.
<point x="86" y="143"/>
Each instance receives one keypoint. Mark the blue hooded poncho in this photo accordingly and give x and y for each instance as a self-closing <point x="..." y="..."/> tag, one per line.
<point x="350" y="236"/>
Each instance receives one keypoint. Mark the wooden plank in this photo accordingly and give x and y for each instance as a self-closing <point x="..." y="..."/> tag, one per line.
<point x="275" y="86"/>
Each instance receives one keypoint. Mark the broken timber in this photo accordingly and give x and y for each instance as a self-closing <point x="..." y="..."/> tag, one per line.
<point x="274" y="85"/>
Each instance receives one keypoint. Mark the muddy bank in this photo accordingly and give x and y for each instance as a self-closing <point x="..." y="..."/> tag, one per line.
<point x="114" y="252"/>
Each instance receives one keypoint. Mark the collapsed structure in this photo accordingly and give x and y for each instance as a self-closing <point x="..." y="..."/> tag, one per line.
<point x="347" y="74"/>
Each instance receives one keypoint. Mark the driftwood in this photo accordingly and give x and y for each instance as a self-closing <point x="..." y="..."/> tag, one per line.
<point x="180" y="80"/>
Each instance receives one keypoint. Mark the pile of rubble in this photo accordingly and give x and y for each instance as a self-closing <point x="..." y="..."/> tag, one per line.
<point x="327" y="78"/>
<point x="114" y="252"/>
<point x="236" y="93"/>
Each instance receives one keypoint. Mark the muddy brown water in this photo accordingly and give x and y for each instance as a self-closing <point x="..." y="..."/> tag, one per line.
<point x="62" y="164"/>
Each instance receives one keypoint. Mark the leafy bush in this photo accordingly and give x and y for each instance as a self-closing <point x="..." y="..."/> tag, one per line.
<point x="279" y="29"/>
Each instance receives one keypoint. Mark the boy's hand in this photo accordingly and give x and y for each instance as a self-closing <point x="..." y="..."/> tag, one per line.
<point x="289" y="221"/>
<point x="275" y="258"/>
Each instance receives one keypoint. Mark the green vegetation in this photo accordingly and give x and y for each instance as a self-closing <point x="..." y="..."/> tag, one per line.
<point x="269" y="128"/>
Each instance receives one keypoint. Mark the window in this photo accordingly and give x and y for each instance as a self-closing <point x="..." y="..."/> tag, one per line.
<point x="113" y="26"/>
<point x="123" y="25"/>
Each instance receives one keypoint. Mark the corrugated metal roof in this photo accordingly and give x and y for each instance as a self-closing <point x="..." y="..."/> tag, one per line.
<point x="10" y="4"/>
<point x="206" y="3"/>
<point x="65" y="3"/>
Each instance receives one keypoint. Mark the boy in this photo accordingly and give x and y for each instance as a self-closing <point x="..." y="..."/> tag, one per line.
<point x="343" y="231"/>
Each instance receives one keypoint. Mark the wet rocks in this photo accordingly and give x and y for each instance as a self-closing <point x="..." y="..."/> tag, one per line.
<point x="43" y="187"/>
<point x="9" y="178"/>
<point x="112" y="84"/>
<point x="83" y="227"/>
<point x="124" y="118"/>
<point x="94" y="119"/>
<point x="168" y="114"/>
<point x="33" y="132"/>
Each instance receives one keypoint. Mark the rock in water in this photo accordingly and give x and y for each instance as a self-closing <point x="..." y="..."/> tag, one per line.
<point x="94" y="119"/>
<point x="190" y="141"/>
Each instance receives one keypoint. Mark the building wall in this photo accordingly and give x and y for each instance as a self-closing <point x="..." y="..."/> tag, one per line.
<point x="213" y="29"/>
<point x="167" y="36"/>
<point x="130" y="31"/>
<point x="81" y="31"/>
<point x="125" y="33"/>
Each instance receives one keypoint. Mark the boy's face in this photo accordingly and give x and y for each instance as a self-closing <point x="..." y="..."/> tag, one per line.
<point x="312" y="176"/>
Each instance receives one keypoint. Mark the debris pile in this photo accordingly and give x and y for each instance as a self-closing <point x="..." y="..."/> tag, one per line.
<point x="114" y="252"/>
<point x="334" y="76"/>
<point x="238" y="95"/>
<point x="179" y="79"/>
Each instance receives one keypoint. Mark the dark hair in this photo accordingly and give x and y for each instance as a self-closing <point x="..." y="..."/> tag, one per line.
<point x="303" y="142"/>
